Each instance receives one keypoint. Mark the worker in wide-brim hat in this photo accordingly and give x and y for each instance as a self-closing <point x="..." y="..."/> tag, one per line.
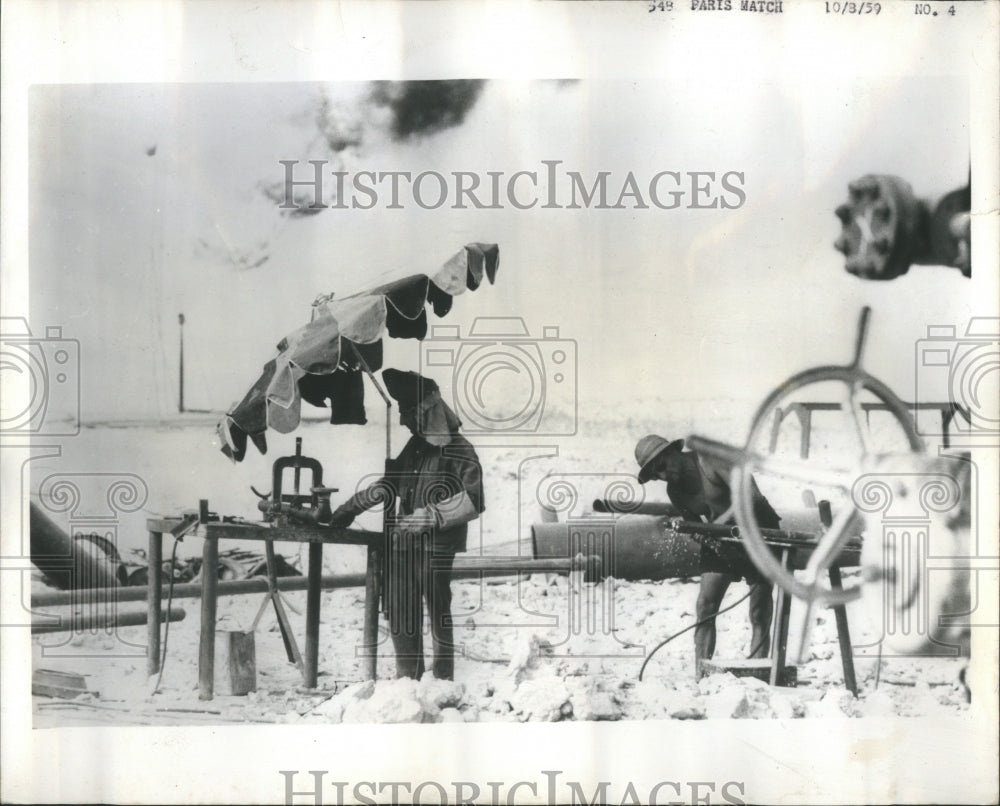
<point x="648" y="452"/>
<point x="437" y="485"/>
<point x="698" y="486"/>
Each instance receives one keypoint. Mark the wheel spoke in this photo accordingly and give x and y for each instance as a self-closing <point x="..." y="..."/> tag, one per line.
<point x="725" y="516"/>
<point x="804" y="628"/>
<point x="831" y="544"/>
<point x="756" y="460"/>
<point x="857" y="418"/>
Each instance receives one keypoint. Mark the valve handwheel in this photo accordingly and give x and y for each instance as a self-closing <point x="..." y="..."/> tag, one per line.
<point x="812" y="586"/>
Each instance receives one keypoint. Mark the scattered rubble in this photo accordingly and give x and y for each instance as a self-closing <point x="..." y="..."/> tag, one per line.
<point x="521" y="659"/>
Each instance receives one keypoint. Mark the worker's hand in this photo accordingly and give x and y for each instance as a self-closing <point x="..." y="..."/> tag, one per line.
<point x="421" y="520"/>
<point x="342" y="518"/>
<point x="410" y="529"/>
<point x="405" y="538"/>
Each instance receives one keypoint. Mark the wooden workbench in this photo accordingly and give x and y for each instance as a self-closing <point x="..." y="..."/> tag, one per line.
<point x="316" y="537"/>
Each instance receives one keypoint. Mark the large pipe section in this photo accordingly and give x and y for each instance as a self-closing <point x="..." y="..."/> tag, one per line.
<point x="69" y="564"/>
<point x="629" y="546"/>
<point x="645" y="547"/>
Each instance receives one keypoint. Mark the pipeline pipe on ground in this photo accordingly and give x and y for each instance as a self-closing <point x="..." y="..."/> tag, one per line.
<point x="77" y="622"/>
<point x="475" y="567"/>
<point x="189" y="590"/>
<point x="464" y="568"/>
<point x="66" y="562"/>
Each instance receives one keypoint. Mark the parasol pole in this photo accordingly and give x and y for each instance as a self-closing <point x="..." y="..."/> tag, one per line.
<point x="385" y="397"/>
<point x="377" y="569"/>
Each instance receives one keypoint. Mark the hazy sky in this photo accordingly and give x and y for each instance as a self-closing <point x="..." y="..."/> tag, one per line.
<point x="663" y="304"/>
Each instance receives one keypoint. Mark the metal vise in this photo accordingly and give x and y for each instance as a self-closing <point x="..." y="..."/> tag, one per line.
<point x="288" y="508"/>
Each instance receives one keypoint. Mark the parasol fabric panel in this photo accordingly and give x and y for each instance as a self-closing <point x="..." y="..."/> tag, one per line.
<point x="319" y="361"/>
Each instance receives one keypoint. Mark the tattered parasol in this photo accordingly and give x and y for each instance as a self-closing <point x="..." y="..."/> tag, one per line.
<point x="325" y="361"/>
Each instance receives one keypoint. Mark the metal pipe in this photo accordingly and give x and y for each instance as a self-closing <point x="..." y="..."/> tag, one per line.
<point x="709" y="529"/>
<point x="784" y="534"/>
<point x="641" y="547"/>
<point x="521" y="564"/>
<point x="77" y="622"/>
<point x="66" y="562"/>
<point x="191" y="590"/>
<point x="483" y="567"/>
<point x="464" y="568"/>
<point x="661" y="508"/>
<point x="727" y="530"/>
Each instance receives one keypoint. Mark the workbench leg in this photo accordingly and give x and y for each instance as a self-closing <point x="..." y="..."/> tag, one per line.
<point x="311" y="672"/>
<point x="154" y="602"/>
<point x="780" y="645"/>
<point x="284" y="625"/>
<point x="369" y="640"/>
<point x="844" y="636"/>
<point x="209" y="600"/>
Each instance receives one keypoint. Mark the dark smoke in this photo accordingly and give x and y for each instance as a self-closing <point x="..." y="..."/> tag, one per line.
<point x="426" y="107"/>
<point x="416" y="109"/>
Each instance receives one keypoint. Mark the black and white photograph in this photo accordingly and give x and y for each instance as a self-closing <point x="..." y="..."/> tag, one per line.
<point x="500" y="403"/>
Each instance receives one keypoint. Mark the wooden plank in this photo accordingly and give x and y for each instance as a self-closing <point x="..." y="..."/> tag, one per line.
<point x="154" y="603"/>
<point x="369" y="639"/>
<point x="236" y="658"/>
<point x="52" y="683"/>
<point x="311" y="663"/>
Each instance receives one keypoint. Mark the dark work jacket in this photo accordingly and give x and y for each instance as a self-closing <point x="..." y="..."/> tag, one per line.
<point x="707" y="494"/>
<point x="447" y="481"/>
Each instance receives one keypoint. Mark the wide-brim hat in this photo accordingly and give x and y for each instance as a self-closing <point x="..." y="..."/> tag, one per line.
<point x="408" y="389"/>
<point x="649" y="449"/>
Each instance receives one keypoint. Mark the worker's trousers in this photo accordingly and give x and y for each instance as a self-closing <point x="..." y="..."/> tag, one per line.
<point x="418" y="572"/>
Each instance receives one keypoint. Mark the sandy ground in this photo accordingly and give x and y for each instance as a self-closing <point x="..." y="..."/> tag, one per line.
<point x="538" y="648"/>
<point x="524" y="657"/>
